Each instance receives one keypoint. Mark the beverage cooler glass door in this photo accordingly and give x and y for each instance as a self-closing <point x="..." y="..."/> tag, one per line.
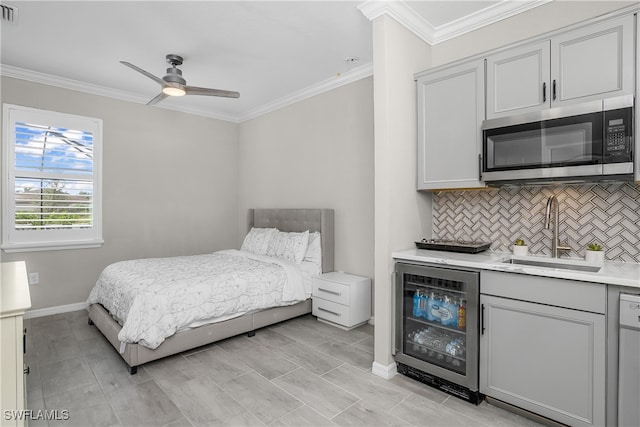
<point x="437" y="322"/>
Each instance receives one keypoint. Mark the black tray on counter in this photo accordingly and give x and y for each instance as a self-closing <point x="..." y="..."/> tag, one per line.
<point x="463" y="246"/>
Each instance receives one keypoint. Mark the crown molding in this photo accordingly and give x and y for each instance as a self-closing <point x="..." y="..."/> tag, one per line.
<point x="62" y="82"/>
<point x="342" y="79"/>
<point x="65" y="83"/>
<point x="402" y="13"/>
<point x="414" y="22"/>
<point x="490" y="15"/>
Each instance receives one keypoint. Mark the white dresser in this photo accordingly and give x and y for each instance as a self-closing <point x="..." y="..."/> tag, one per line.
<point x="341" y="299"/>
<point x="15" y="300"/>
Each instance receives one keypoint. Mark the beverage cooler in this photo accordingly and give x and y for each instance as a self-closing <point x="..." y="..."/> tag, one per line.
<point x="436" y="330"/>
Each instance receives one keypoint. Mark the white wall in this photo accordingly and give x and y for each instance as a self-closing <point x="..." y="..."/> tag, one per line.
<point x="169" y="188"/>
<point x="402" y="214"/>
<point x="317" y="153"/>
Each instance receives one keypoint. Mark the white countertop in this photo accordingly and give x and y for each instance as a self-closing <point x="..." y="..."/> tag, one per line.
<point x="15" y="298"/>
<point x="611" y="273"/>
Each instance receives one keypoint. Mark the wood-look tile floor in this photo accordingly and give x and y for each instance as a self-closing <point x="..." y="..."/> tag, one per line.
<point x="297" y="373"/>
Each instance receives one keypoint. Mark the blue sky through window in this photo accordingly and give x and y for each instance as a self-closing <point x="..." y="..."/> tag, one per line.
<point x="53" y="177"/>
<point x="49" y="149"/>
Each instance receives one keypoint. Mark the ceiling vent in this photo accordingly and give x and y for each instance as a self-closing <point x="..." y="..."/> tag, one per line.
<point x="9" y="13"/>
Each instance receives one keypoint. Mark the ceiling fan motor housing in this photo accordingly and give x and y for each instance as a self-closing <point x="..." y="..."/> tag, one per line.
<point x="174" y="75"/>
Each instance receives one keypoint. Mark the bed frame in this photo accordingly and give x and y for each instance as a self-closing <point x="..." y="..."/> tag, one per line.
<point x="297" y="220"/>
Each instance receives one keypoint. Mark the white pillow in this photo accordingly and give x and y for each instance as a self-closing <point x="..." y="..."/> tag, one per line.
<point x="257" y="240"/>
<point x="288" y="246"/>
<point x="314" y="250"/>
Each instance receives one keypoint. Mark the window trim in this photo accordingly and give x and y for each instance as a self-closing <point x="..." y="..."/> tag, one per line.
<point x="45" y="240"/>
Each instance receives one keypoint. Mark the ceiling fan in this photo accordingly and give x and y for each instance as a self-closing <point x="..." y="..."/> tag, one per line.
<point x="173" y="84"/>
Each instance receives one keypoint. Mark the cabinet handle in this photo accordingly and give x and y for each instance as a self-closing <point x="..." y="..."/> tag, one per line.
<point x="330" y="292"/>
<point x="553" y="89"/>
<point x="329" y="311"/>
<point x="24" y="341"/>
<point x="479" y="167"/>
<point x="544" y="92"/>
<point x="482" y="319"/>
<point x="26" y="370"/>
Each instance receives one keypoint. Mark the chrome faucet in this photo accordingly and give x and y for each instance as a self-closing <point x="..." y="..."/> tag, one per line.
<point x="556" y="247"/>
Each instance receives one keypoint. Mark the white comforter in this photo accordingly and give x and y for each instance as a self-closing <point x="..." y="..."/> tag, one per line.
<point x="154" y="298"/>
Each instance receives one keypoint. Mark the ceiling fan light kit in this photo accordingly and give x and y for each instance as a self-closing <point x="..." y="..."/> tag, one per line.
<point x="173" y="91"/>
<point x="173" y="84"/>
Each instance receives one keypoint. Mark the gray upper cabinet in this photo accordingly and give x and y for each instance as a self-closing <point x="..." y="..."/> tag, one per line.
<point x="518" y="80"/>
<point x="450" y="114"/>
<point x="592" y="62"/>
<point x="589" y="63"/>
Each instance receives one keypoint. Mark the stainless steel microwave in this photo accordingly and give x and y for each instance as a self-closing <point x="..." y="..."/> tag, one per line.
<point x="577" y="143"/>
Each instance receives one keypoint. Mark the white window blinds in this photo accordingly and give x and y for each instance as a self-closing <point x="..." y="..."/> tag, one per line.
<point x="52" y="189"/>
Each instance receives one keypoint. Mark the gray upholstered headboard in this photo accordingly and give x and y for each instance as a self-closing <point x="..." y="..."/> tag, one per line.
<point x="300" y="220"/>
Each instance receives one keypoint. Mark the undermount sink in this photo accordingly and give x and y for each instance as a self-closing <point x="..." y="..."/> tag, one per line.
<point x="563" y="264"/>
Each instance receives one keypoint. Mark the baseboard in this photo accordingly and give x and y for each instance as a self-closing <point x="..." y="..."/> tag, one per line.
<point x="523" y="412"/>
<point x="386" y="372"/>
<point x="40" y="312"/>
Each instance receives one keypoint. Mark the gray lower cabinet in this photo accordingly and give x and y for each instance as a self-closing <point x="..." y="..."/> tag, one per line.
<point x="541" y="355"/>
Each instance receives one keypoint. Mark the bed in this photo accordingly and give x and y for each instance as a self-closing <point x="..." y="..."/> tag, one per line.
<point x="285" y="220"/>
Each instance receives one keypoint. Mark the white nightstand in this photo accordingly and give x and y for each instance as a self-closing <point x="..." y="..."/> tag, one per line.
<point x="343" y="300"/>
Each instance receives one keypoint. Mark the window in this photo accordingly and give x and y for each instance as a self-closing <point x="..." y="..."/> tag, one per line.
<point x="51" y="180"/>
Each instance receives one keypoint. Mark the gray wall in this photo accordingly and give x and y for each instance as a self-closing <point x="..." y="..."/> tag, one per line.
<point x="169" y="188"/>
<point x="179" y="184"/>
<point x="317" y="153"/>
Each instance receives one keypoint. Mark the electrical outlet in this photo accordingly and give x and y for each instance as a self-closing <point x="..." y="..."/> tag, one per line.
<point x="34" y="278"/>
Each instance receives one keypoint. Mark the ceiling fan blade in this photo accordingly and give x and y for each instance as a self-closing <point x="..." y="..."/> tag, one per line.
<point x="193" y="90"/>
<point x="158" y="98"/>
<point x="141" y="71"/>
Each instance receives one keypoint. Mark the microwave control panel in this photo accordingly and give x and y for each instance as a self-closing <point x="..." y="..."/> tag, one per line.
<point x="617" y="144"/>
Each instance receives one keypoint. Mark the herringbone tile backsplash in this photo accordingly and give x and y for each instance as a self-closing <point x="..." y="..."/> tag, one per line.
<point x="608" y="214"/>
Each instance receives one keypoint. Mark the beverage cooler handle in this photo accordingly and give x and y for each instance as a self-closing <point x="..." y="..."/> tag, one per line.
<point x="395" y="346"/>
<point x="482" y="319"/>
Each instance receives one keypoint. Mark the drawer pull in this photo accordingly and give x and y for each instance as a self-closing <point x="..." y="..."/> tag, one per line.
<point x="330" y="292"/>
<point x="329" y="311"/>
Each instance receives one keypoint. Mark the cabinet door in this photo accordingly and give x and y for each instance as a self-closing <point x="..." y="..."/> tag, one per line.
<point x="450" y="114"/>
<point x="545" y="359"/>
<point x="593" y="62"/>
<point x="518" y="80"/>
<point x="12" y="382"/>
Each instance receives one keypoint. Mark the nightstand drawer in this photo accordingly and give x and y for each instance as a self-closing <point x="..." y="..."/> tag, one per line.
<point x="331" y="291"/>
<point x="331" y="311"/>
